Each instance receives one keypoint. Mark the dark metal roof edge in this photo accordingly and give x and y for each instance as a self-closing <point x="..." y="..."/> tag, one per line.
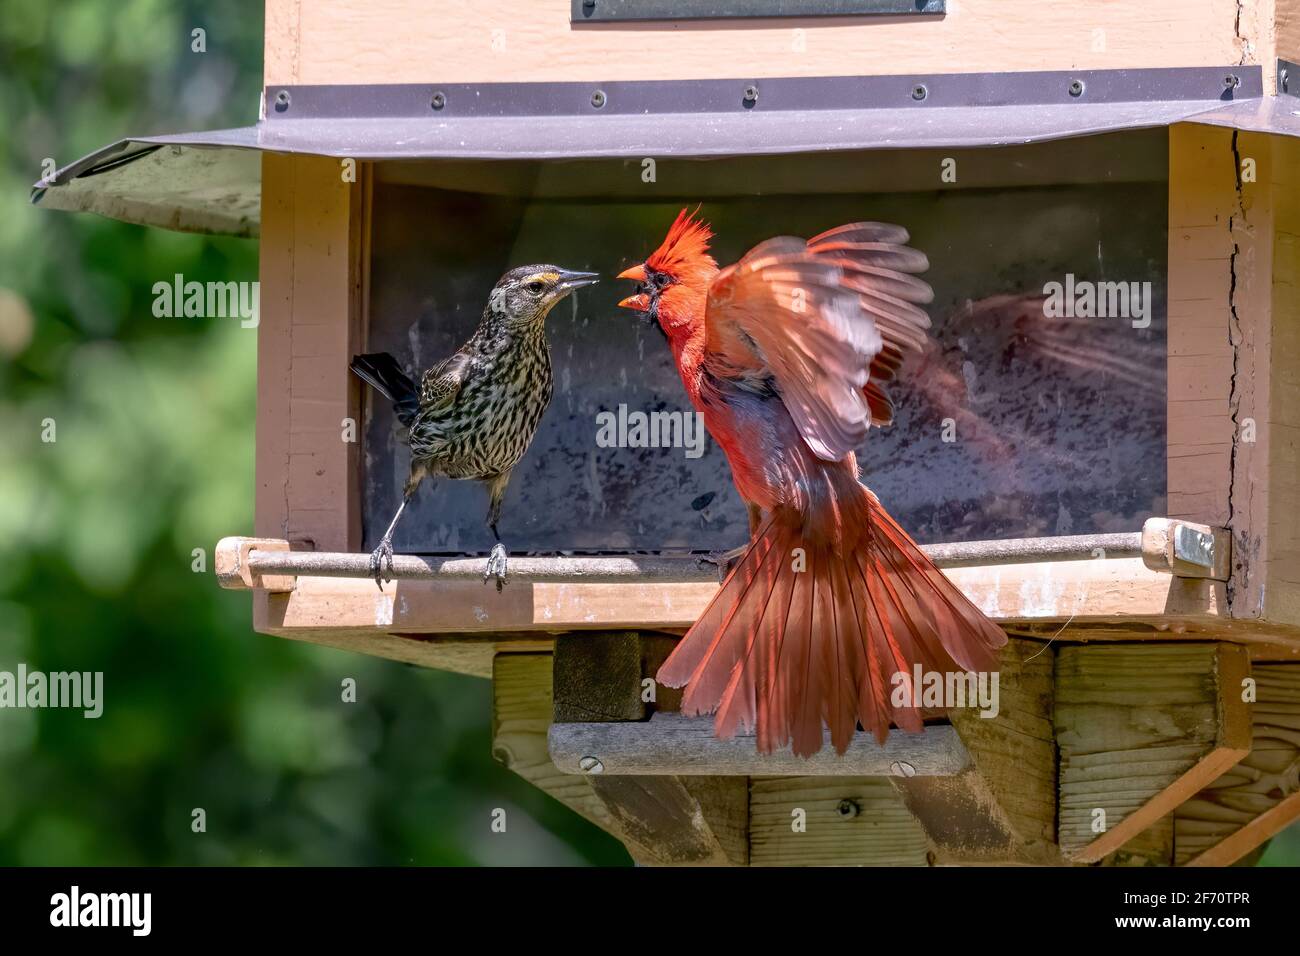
<point x="128" y="150"/>
<point x="669" y="11"/>
<point x="640" y="97"/>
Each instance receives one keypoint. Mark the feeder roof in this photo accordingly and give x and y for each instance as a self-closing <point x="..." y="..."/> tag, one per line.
<point x="211" y="181"/>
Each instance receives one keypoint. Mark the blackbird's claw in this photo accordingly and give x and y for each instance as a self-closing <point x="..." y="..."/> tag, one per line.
<point x="378" y="558"/>
<point x="496" y="566"/>
<point x="723" y="560"/>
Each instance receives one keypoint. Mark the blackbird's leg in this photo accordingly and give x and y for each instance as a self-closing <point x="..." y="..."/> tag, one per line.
<point x="383" y="555"/>
<point x="496" y="562"/>
<point x="726" y="560"/>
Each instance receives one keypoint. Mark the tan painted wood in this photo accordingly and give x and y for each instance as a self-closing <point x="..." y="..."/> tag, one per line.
<point x="1286" y="34"/>
<point x="1202" y="202"/>
<point x="1279" y="558"/>
<point x="1141" y="729"/>
<point x="1234" y="367"/>
<point x="414" y="41"/>
<point x="1117" y="588"/>
<point x="314" y="224"/>
<point x="230" y="562"/>
<point x="1002" y="808"/>
<point x="846" y="821"/>
<point x="1259" y="796"/>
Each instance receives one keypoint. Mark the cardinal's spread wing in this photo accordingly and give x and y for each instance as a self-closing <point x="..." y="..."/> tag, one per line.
<point x="829" y="319"/>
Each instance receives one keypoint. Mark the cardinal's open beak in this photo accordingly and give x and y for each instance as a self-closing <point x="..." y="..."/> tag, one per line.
<point x="640" y="301"/>
<point x="576" y="280"/>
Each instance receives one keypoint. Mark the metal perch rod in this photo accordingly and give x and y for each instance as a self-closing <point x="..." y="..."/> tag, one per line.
<point x="599" y="569"/>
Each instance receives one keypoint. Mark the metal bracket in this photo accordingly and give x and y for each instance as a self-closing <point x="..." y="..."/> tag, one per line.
<point x="1288" y="78"/>
<point x="672" y="745"/>
<point x="1186" y="549"/>
<point x="614" y="11"/>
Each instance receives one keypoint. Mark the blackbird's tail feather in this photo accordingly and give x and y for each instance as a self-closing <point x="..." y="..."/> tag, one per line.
<point x="383" y="373"/>
<point x="804" y="635"/>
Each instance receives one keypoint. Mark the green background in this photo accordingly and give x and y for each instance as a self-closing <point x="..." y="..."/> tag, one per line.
<point x="153" y="458"/>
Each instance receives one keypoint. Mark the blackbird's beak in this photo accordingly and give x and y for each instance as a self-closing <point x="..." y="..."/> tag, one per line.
<point x="576" y="280"/>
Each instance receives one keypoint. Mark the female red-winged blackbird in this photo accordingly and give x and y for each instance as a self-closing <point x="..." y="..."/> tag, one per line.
<point x="475" y="413"/>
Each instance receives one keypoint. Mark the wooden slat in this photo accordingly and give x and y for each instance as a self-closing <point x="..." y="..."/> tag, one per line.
<point x="1259" y="796"/>
<point x="1140" y="729"/>
<point x="676" y="745"/>
<point x="848" y="821"/>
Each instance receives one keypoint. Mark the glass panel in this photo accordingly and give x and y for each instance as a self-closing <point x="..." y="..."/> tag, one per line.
<point x="1018" y="421"/>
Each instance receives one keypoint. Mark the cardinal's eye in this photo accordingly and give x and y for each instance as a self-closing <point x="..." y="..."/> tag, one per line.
<point x="536" y="288"/>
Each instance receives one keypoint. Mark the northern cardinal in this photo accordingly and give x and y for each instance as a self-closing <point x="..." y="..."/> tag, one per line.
<point x="474" y="414"/>
<point x="785" y="354"/>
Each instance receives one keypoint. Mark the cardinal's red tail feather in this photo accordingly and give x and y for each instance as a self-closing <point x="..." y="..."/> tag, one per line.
<point x="805" y="635"/>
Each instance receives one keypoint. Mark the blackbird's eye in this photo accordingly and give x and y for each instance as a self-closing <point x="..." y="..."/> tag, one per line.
<point x="536" y="288"/>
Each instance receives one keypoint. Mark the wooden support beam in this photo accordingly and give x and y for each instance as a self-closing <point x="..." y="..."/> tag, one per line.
<point x="664" y="819"/>
<point x="1258" y="797"/>
<point x="1140" y="730"/>
<point x="521" y="712"/>
<point x="686" y="746"/>
<point x="832" y="821"/>
<point x="1001" y="808"/>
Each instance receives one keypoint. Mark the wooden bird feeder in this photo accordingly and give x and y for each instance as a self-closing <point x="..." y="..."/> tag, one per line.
<point x="1101" y="447"/>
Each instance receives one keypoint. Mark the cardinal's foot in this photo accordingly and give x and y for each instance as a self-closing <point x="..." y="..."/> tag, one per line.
<point x="381" y="556"/>
<point x="724" y="560"/>
<point x="496" y="566"/>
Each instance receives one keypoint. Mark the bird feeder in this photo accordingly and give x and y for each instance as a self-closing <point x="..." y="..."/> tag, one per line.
<point x="1101" y="445"/>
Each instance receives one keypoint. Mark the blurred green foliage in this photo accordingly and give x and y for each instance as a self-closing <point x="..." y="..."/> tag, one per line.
<point x="153" y="457"/>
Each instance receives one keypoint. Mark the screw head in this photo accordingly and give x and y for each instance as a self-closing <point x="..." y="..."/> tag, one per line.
<point x="1284" y="81"/>
<point x="848" y="809"/>
<point x="439" y="101"/>
<point x="598" y="99"/>
<point x="901" y="769"/>
<point x="591" y="765"/>
<point x="919" y="92"/>
<point x="751" y="95"/>
<point x="1231" y="81"/>
<point x="1077" y="87"/>
<point x="281" y="101"/>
